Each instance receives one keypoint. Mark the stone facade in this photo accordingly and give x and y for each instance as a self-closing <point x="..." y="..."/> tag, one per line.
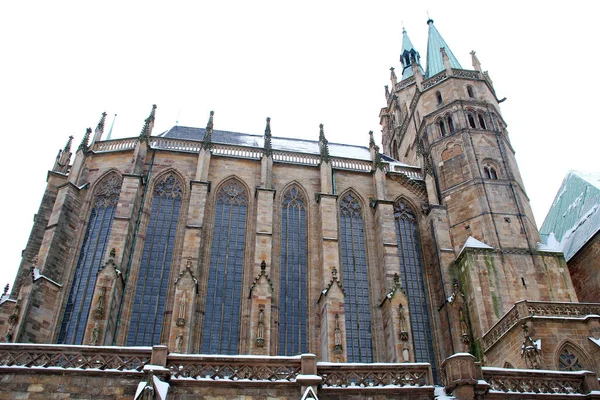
<point x="479" y="287"/>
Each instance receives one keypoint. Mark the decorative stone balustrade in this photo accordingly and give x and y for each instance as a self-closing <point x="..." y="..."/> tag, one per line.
<point x="465" y="74"/>
<point x="77" y="357"/>
<point x="115" y="145"/>
<point x="377" y="375"/>
<point x="405" y="83"/>
<point x="355" y="165"/>
<point x="434" y="80"/>
<point x="535" y="382"/>
<point x="192" y="146"/>
<point x="234" y="368"/>
<point x="523" y="310"/>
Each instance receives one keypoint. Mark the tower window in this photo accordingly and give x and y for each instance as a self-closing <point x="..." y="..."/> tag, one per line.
<point x="470" y="91"/>
<point x="153" y="279"/>
<point x="442" y="127"/>
<point x="450" y="124"/>
<point x="354" y="269"/>
<point x="471" y="121"/>
<point x="486" y="172"/>
<point x="493" y="173"/>
<point x="292" y="295"/>
<point x="221" y="331"/>
<point x="481" y="121"/>
<point x="439" y="97"/>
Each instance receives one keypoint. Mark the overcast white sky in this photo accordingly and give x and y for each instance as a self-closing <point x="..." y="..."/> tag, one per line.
<point x="301" y="63"/>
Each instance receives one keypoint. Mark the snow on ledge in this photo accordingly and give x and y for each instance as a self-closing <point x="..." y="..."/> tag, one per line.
<point x="473" y="243"/>
<point x="597" y="341"/>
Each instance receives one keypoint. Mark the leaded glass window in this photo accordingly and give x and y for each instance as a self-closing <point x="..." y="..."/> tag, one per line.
<point x="153" y="278"/>
<point x="411" y="272"/>
<point x="359" y="346"/>
<point x="220" y="333"/>
<point x="93" y="249"/>
<point x="292" y="297"/>
<point x="569" y="361"/>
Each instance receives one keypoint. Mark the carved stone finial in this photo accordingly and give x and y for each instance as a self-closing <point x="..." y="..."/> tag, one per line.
<point x="113" y="253"/>
<point x="324" y="145"/>
<point x="268" y="147"/>
<point x="148" y="125"/>
<point x="263" y="266"/>
<point x="475" y="61"/>
<point x="371" y="139"/>
<point x="334" y="272"/>
<point x="207" y="140"/>
<point x="84" y="142"/>
<point x="396" y="279"/>
<point x="68" y="144"/>
<point x="100" y="127"/>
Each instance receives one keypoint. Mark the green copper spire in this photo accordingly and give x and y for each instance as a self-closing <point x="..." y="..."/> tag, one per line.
<point x="408" y="55"/>
<point x="435" y="42"/>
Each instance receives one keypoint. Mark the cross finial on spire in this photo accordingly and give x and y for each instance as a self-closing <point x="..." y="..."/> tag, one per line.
<point x="207" y="141"/>
<point x="268" y="149"/>
<point x="84" y="142"/>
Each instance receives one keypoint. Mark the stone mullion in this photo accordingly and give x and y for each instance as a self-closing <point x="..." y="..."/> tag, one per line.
<point x="332" y="304"/>
<point x="109" y="288"/>
<point x="263" y="249"/>
<point x="190" y="255"/>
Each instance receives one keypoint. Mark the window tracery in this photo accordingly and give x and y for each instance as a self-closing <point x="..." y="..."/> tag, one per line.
<point x="355" y="278"/>
<point x="93" y="249"/>
<point x="569" y="360"/>
<point x="220" y="333"/>
<point x="155" y="267"/>
<point x="292" y="304"/>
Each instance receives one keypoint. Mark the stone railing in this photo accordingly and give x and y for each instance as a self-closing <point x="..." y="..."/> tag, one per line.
<point x="340" y="375"/>
<point x="434" y="80"/>
<point x="405" y="83"/>
<point x="175" y="144"/>
<point x="531" y="382"/>
<point x="114" y="145"/>
<point x="234" y="368"/>
<point x="76" y="357"/>
<point x="219" y="149"/>
<point x="524" y="309"/>
<point x="410" y="172"/>
<point x="355" y="165"/>
<point x="296" y="158"/>
<point x="465" y="74"/>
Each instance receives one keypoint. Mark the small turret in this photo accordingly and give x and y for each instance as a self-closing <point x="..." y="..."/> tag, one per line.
<point x="99" y="130"/>
<point x="63" y="158"/>
<point x="207" y="140"/>
<point x="84" y="142"/>
<point x="408" y="56"/>
<point x="323" y="145"/>
<point x="268" y="147"/>
<point x="148" y="125"/>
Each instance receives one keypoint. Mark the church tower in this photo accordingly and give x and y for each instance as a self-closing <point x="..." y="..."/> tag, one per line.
<point x="447" y="119"/>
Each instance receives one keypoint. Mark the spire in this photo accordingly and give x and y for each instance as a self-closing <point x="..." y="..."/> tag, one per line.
<point x="207" y="141"/>
<point x="268" y="148"/>
<point x="148" y="125"/>
<point x="371" y="139"/>
<point x="435" y="43"/>
<point x="111" y="128"/>
<point x="99" y="129"/>
<point x="408" y="55"/>
<point x="324" y="145"/>
<point x="84" y="142"/>
<point x="63" y="158"/>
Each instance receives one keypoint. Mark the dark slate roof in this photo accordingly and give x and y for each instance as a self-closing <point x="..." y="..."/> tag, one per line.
<point x="278" y="143"/>
<point x="574" y="217"/>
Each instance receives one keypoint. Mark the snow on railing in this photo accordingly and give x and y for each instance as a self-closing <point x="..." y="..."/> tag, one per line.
<point x="526" y="309"/>
<point x="355" y="165"/>
<point x="234" y="368"/>
<point x="349" y="375"/>
<point x="410" y="172"/>
<point x="175" y="144"/>
<point x="115" y="145"/>
<point x="296" y="158"/>
<point x="79" y="357"/>
<point x="236" y="151"/>
<point x="539" y="382"/>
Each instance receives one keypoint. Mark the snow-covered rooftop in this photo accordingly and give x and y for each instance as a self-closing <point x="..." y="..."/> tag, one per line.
<point x="473" y="243"/>
<point x="574" y="216"/>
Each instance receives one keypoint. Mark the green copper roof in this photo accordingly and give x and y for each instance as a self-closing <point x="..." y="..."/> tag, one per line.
<point x="574" y="217"/>
<point x="434" y="56"/>
<point x="408" y="54"/>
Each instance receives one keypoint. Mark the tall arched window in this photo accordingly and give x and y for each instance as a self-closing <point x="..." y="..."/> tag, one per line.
<point x="153" y="277"/>
<point x="470" y="91"/>
<point x="91" y="256"/>
<point x="471" y="119"/>
<point x="481" y="121"/>
<point x="359" y="346"/>
<point x="442" y="127"/>
<point x="411" y="272"/>
<point x="439" y="97"/>
<point x="292" y="297"/>
<point x="486" y="173"/>
<point x="450" y="124"/>
<point x="221" y="330"/>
